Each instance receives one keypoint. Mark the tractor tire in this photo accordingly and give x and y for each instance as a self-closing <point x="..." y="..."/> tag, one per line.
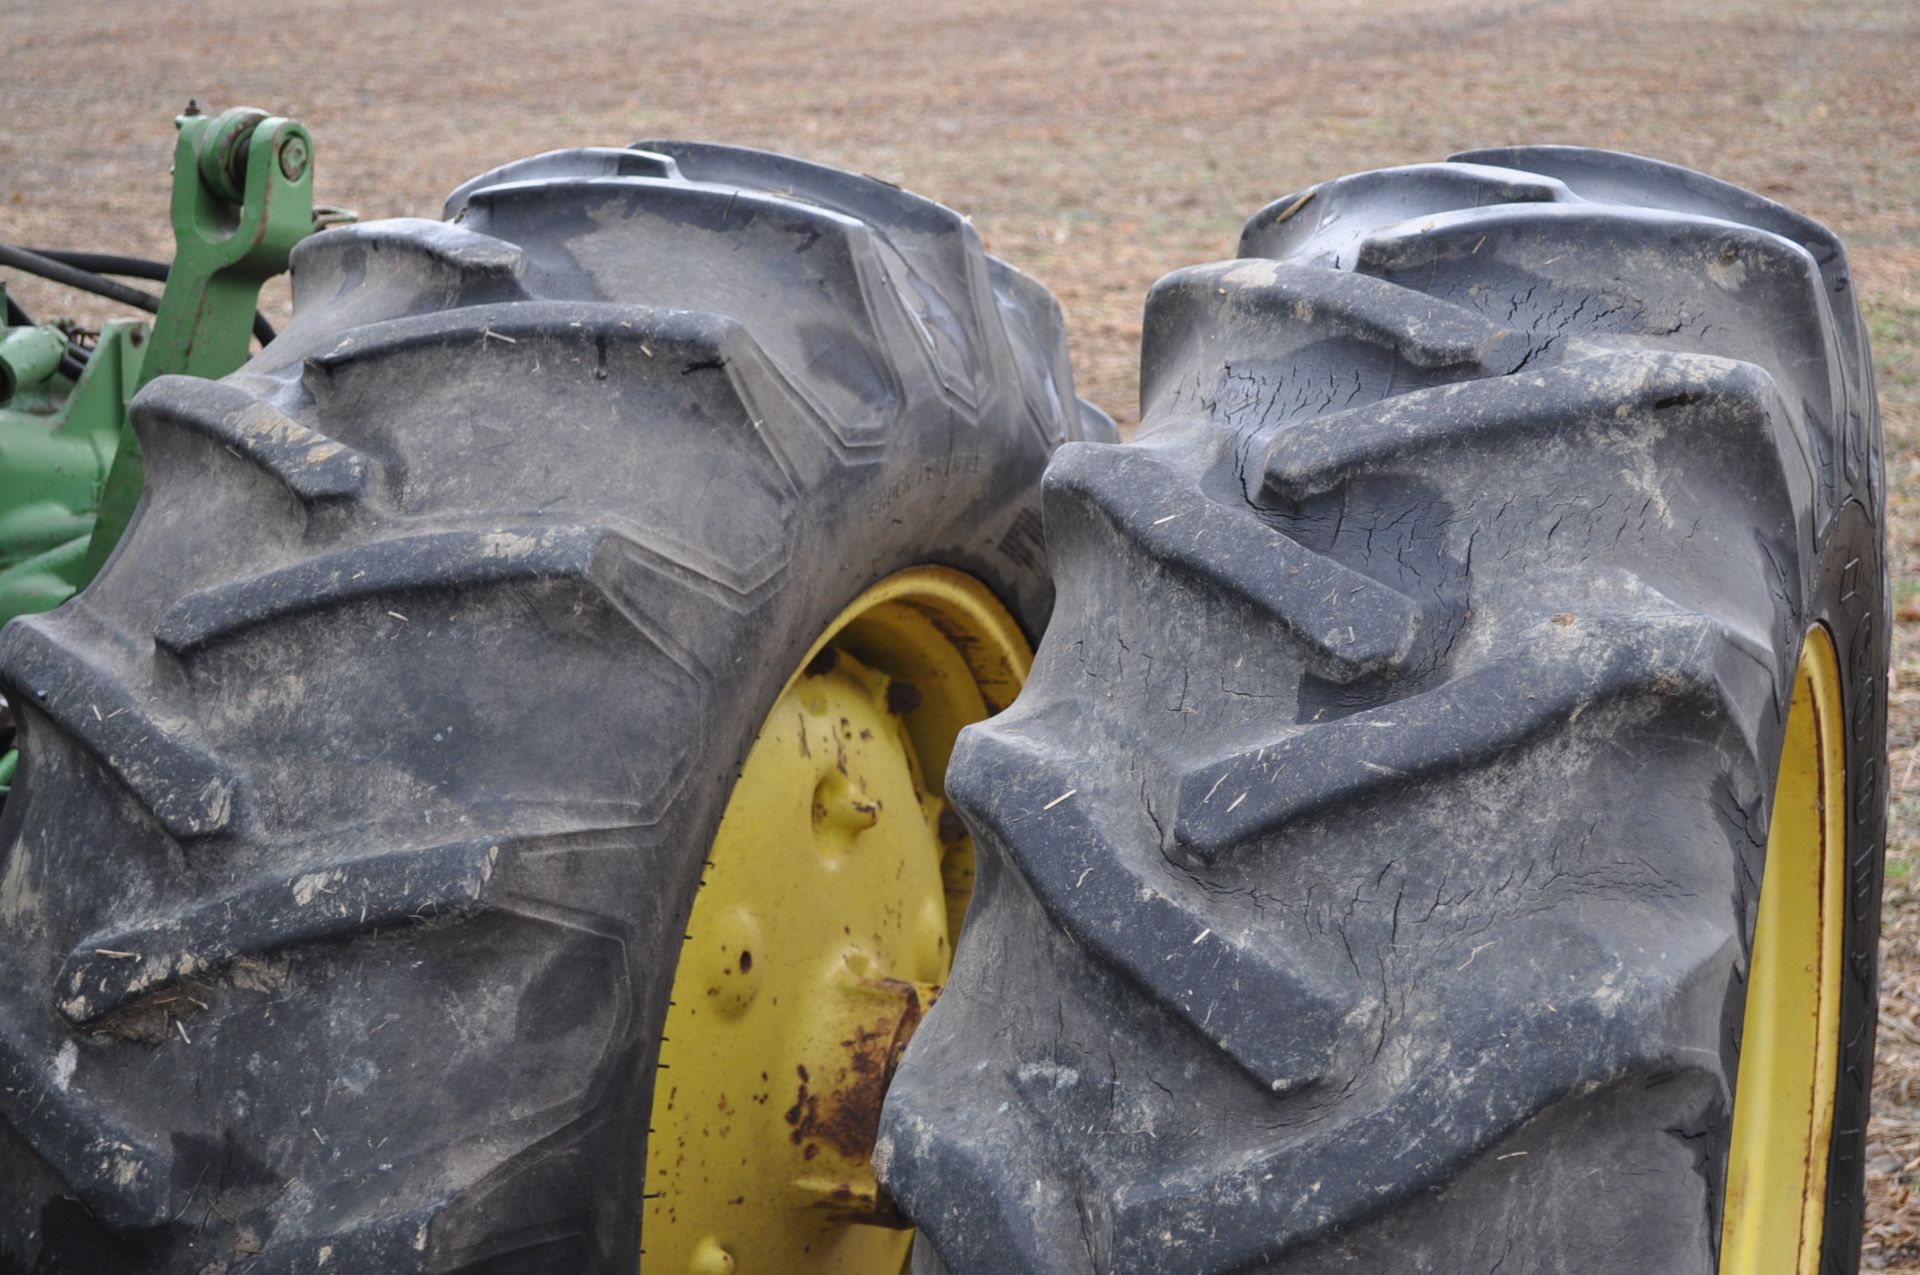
<point x="366" y="792"/>
<point x="1369" y="870"/>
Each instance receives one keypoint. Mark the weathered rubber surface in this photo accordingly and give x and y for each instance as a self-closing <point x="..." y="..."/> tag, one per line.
<point x="366" y="791"/>
<point x="1369" y="868"/>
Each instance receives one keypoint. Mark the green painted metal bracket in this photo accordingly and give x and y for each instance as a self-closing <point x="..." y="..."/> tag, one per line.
<point x="242" y="198"/>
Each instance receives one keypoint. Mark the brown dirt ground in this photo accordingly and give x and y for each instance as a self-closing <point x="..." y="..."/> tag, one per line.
<point x="1097" y="145"/>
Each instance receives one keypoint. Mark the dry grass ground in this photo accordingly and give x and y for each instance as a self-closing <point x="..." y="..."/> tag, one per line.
<point x="1097" y="145"/>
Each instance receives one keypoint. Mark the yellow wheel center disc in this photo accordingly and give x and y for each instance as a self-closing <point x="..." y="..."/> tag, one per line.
<point x="822" y="931"/>
<point x="1790" y="1052"/>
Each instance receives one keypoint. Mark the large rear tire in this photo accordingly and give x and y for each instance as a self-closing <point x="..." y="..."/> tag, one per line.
<point x="367" y="791"/>
<point x="1370" y="869"/>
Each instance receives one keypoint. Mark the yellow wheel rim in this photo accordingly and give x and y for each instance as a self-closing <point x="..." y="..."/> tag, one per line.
<point x="821" y="933"/>
<point x="1790" y="1051"/>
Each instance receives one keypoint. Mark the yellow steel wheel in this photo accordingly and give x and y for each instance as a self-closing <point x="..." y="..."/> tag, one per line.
<point x="1789" y="1056"/>
<point x="823" y="928"/>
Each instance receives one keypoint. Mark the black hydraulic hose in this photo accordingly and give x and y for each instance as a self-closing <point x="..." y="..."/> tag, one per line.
<point x="107" y="263"/>
<point x="74" y="277"/>
<point x="75" y="360"/>
<point x="17" y="317"/>
<point x="92" y="267"/>
<point x="77" y="355"/>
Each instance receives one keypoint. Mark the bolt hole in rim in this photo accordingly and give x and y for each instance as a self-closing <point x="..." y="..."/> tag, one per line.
<point x="1790" y="1051"/>
<point x="821" y="932"/>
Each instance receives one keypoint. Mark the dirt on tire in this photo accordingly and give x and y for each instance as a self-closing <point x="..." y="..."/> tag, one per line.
<point x="1096" y="149"/>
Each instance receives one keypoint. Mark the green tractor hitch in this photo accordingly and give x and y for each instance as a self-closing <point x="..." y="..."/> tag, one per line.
<point x="70" y="467"/>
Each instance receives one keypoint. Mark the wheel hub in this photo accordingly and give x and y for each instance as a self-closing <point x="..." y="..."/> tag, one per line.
<point x="821" y="933"/>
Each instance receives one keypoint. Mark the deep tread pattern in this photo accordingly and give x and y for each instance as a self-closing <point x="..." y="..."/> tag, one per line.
<point x="577" y="161"/>
<point x="121" y="1178"/>
<point x="1332" y="216"/>
<point x="364" y="792"/>
<point x="188" y="790"/>
<point x="315" y="468"/>
<point x="1368" y="870"/>
<point x="1222" y="331"/>
<point x="696" y="343"/>
<point x="1638" y="399"/>
<point x="1167" y="943"/>
<point x="408" y="565"/>
<point x="929" y="251"/>
<point x="1243" y="800"/>
<point x="1351" y="625"/>
<point x="639" y="364"/>
<point x="387" y="269"/>
<point x="1351" y="305"/>
<point x="1731" y="272"/>
<point x="820" y="263"/>
<point x="1614" y="177"/>
<point x="339" y="898"/>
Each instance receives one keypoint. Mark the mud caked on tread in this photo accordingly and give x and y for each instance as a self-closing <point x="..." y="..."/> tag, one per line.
<point x="1369" y="869"/>
<point x="366" y="791"/>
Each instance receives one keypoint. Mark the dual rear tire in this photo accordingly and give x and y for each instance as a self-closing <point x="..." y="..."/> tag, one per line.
<point x="1487" y="620"/>
<point x="1370" y="871"/>
<point x="368" y="790"/>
